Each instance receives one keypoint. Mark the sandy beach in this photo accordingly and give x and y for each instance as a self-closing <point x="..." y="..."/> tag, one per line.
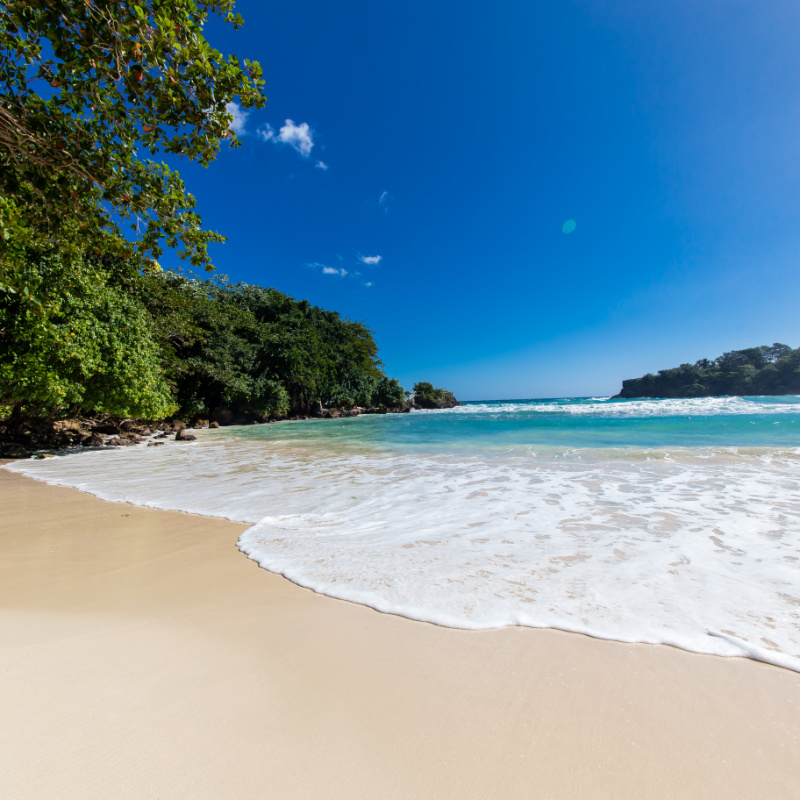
<point x="143" y="656"/>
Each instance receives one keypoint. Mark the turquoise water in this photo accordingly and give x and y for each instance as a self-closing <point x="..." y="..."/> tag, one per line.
<point x="565" y="423"/>
<point x="661" y="521"/>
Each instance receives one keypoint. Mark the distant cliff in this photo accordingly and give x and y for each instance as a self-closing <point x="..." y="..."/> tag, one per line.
<point x="765" y="370"/>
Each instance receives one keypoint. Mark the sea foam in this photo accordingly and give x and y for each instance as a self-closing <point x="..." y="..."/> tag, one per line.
<point x="693" y="547"/>
<point x="613" y="407"/>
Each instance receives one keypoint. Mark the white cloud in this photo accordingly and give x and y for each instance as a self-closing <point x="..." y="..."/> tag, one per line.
<point x="239" y="117"/>
<point x="297" y="136"/>
<point x="382" y="198"/>
<point x="266" y="133"/>
<point x="371" y="259"/>
<point x="340" y="271"/>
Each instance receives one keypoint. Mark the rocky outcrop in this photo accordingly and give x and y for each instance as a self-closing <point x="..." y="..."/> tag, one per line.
<point x="400" y="408"/>
<point x="765" y="370"/>
<point x="11" y="450"/>
<point x="443" y="399"/>
<point x="223" y="416"/>
<point x="357" y="411"/>
<point x="20" y="439"/>
<point x="449" y="402"/>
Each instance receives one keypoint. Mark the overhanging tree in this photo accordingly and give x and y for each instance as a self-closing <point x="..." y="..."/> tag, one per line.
<point x="92" y="91"/>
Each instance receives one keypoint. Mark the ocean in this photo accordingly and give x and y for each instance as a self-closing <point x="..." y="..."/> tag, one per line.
<point x="658" y="521"/>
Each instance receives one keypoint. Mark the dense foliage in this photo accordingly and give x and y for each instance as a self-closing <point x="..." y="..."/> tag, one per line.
<point x="92" y="90"/>
<point x="259" y="352"/>
<point x="765" y="370"/>
<point x="89" y="88"/>
<point x="427" y="396"/>
<point x="75" y="338"/>
<point x="94" y="334"/>
<point x="388" y="392"/>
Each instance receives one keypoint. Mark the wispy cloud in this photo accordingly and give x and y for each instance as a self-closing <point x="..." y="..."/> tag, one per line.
<point x="321" y="165"/>
<point x="341" y="272"/>
<point x="266" y="133"/>
<point x="326" y="270"/>
<point x="239" y="118"/>
<point x="371" y="259"/>
<point x="382" y="199"/>
<point x="297" y="136"/>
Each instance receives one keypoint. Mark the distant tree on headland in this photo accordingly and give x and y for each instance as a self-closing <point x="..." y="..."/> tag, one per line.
<point x="766" y="370"/>
<point x="426" y="396"/>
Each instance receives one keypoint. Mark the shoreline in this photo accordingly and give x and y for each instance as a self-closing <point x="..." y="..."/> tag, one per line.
<point x="709" y="639"/>
<point x="107" y="432"/>
<point x="145" y="655"/>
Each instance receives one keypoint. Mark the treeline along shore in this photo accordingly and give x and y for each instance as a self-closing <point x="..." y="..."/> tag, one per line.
<point x="99" y="352"/>
<point x="765" y="370"/>
<point x="99" y="345"/>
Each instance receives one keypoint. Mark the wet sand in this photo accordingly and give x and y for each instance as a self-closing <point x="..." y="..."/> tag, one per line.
<point x="143" y="656"/>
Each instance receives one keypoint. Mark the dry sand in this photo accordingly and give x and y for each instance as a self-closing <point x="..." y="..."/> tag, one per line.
<point x="143" y="656"/>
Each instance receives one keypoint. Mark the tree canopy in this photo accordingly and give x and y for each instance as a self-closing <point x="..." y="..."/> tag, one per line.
<point x="96" y="335"/>
<point x="766" y="370"/>
<point x="86" y="343"/>
<point x="427" y="396"/>
<point x="92" y="91"/>
<point x="263" y="353"/>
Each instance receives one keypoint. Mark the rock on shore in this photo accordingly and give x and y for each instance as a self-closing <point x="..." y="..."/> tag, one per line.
<point x="24" y="438"/>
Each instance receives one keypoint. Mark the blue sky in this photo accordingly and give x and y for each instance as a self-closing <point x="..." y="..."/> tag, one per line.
<point x="459" y="137"/>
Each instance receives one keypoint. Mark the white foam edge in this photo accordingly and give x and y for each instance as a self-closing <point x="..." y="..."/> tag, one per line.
<point x="419" y="614"/>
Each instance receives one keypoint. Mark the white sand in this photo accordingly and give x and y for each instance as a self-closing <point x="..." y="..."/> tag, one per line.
<point x="143" y="656"/>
